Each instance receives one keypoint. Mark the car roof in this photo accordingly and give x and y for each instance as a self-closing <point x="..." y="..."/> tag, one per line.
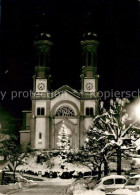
<point x="136" y="176"/>
<point x="113" y="177"/>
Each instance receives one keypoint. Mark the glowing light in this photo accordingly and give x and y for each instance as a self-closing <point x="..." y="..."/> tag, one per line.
<point x="86" y="139"/>
<point x="134" y="109"/>
<point x="137" y="111"/>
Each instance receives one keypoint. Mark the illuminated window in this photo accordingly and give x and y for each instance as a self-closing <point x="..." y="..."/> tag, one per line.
<point x="40" y="135"/>
<point x="40" y="138"/>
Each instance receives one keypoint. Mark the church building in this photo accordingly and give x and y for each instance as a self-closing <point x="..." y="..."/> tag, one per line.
<point x="64" y="110"/>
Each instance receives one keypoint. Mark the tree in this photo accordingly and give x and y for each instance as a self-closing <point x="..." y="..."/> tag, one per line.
<point x="12" y="151"/>
<point x="63" y="142"/>
<point x="94" y="144"/>
<point x="117" y="129"/>
<point x="91" y="154"/>
<point x="112" y="135"/>
<point x="92" y="159"/>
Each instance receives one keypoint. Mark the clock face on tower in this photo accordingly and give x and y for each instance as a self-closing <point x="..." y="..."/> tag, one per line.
<point x="41" y="85"/>
<point x="89" y="85"/>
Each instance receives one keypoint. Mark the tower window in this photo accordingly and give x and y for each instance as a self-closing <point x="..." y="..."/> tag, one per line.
<point x="84" y="59"/>
<point x="40" y="111"/>
<point x="95" y="60"/>
<point x="40" y="136"/>
<point x="41" y="59"/>
<point x="89" y="58"/>
<point x="89" y="111"/>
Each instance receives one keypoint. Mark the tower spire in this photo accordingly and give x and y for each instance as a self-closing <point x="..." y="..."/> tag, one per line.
<point x="42" y="77"/>
<point x="43" y="46"/>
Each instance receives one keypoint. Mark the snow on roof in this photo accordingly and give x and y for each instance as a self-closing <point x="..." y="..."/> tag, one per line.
<point x="5" y="163"/>
<point x="113" y="176"/>
<point x="138" y="144"/>
<point x="136" y="176"/>
<point x="67" y="89"/>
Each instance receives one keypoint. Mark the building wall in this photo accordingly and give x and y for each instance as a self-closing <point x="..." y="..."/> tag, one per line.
<point x="48" y="125"/>
<point x="28" y="120"/>
<point x="65" y="96"/>
<point x="88" y="104"/>
<point x="40" y="128"/>
<point x="40" y="104"/>
<point x="87" y="123"/>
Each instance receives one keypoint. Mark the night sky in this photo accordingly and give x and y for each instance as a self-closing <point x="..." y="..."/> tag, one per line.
<point x="115" y="21"/>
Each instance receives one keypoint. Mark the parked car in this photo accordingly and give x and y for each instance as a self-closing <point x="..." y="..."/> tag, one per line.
<point x="110" y="183"/>
<point x="132" y="185"/>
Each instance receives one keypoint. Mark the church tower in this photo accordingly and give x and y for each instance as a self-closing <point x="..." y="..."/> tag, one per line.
<point x="42" y="77"/>
<point x="89" y="83"/>
<point x="89" y="70"/>
<point x="40" y="97"/>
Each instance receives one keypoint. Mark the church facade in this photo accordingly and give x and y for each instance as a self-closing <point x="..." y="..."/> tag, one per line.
<point x="65" y="108"/>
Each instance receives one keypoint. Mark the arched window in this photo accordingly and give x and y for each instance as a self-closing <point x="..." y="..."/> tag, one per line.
<point x="84" y="59"/>
<point x="41" y="57"/>
<point x="38" y="111"/>
<point x="89" y="111"/>
<point x="40" y="136"/>
<point x="89" y="58"/>
<point x="95" y="59"/>
<point x="65" y="111"/>
<point x="42" y="111"/>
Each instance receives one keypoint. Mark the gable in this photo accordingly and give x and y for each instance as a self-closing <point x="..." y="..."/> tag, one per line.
<point x="65" y="88"/>
<point x="65" y="98"/>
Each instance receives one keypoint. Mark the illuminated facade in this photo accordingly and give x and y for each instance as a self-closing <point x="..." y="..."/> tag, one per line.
<point x="64" y="107"/>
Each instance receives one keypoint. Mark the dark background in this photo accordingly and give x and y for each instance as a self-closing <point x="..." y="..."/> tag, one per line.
<point x="115" y="21"/>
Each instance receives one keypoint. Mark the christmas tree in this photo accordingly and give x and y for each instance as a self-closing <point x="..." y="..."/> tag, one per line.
<point x="63" y="139"/>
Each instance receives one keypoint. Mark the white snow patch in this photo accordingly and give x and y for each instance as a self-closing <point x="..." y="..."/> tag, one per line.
<point x="126" y="191"/>
<point x="137" y="161"/>
<point x="88" y="192"/>
<point x="138" y="144"/>
<point x="31" y="165"/>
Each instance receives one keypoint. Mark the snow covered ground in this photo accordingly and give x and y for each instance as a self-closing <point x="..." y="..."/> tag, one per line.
<point x="125" y="192"/>
<point x="88" y="192"/>
<point x="56" y="163"/>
